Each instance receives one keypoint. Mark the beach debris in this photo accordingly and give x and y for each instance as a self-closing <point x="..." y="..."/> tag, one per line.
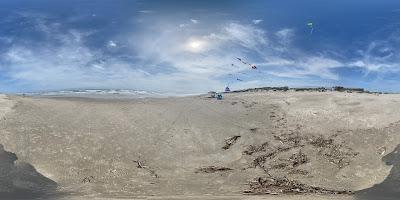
<point x="381" y="151"/>
<point x="294" y="161"/>
<point x="299" y="171"/>
<point x="274" y="185"/>
<point x="293" y="140"/>
<point x="230" y="141"/>
<point x="141" y="165"/>
<point x="298" y="159"/>
<point x="253" y="130"/>
<point x="337" y="154"/>
<point x="212" y="169"/>
<point x="260" y="160"/>
<point x="321" y="142"/>
<point x="288" y="142"/>
<point x="219" y="96"/>
<point x="280" y="166"/>
<point x="88" y="179"/>
<point x="251" y="149"/>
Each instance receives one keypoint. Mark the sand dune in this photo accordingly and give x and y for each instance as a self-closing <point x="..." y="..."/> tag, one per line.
<point x="195" y="147"/>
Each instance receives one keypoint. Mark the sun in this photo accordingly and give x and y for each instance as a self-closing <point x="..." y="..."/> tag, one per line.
<point x="196" y="45"/>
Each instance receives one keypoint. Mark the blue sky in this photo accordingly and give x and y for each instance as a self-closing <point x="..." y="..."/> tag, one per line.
<point x="182" y="46"/>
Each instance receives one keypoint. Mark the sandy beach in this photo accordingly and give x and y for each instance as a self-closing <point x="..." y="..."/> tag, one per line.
<point x="319" y="144"/>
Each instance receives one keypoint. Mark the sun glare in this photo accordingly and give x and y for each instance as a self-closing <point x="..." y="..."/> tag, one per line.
<point x="196" y="46"/>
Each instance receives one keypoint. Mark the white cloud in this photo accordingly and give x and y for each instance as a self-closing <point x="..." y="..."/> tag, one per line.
<point x="245" y="35"/>
<point x="112" y="44"/>
<point x="194" y="21"/>
<point x="302" y="67"/>
<point x="256" y="21"/>
<point x="285" y="35"/>
<point x="212" y="56"/>
<point x="379" y="56"/>
<point x="146" y="11"/>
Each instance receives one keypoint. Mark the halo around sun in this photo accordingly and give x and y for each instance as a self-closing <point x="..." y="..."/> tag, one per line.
<point x="196" y="45"/>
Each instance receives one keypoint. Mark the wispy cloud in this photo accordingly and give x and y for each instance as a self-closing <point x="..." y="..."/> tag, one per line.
<point x="380" y="56"/>
<point x="256" y="21"/>
<point x="146" y="11"/>
<point x="112" y="44"/>
<point x="194" y="21"/>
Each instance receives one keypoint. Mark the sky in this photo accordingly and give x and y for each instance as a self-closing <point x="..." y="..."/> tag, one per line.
<point x="188" y="46"/>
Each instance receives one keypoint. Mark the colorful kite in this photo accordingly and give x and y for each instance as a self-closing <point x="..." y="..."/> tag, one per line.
<point x="310" y="24"/>
<point x="253" y="66"/>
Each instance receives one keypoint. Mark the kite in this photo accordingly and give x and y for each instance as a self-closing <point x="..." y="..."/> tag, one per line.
<point x="310" y="24"/>
<point x="253" y="66"/>
<point x="235" y="77"/>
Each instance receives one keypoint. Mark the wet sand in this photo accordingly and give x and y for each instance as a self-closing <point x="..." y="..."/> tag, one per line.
<point x="170" y="148"/>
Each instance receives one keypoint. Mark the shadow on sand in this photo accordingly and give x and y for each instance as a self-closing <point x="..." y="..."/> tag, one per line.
<point x="20" y="180"/>
<point x="389" y="189"/>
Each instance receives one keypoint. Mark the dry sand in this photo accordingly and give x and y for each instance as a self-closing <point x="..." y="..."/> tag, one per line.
<point x="197" y="147"/>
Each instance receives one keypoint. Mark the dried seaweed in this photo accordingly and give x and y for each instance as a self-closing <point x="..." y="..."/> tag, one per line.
<point x="337" y="154"/>
<point x="253" y="130"/>
<point x="141" y="165"/>
<point x="299" y="171"/>
<point x="212" y="169"/>
<point x="268" y="185"/>
<point x="298" y="159"/>
<point x="230" y="141"/>
<point x="293" y="140"/>
<point x="88" y="179"/>
<point x="321" y="142"/>
<point x="251" y="149"/>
